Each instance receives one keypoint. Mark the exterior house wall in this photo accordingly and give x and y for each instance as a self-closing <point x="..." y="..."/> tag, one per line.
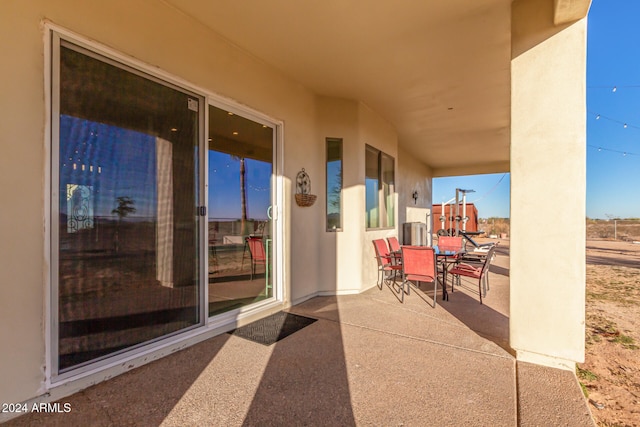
<point x="413" y="176"/>
<point x="382" y="136"/>
<point x="548" y="122"/>
<point x="185" y="51"/>
<point x="347" y="262"/>
<point x="153" y="33"/>
<point x="354" y="242"/>
<point x="338" y="118"/>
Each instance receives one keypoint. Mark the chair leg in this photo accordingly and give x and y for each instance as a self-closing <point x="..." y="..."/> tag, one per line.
<point x="485" y="286"/>
<point x="244" y="253"/>
<point x="401" y="288"/>
<point x="394" y="276"/>
<point x="435" y="291"/>
<point x="383" y="278"/>
<point x="453" y="279"/>
<point x="386" y="277"/>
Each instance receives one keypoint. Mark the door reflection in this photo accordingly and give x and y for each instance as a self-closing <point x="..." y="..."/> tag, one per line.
<point x="239" y="224"/>
<point x="126" y="235"/>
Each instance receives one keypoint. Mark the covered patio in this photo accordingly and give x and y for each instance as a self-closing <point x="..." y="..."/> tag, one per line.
<point x="367" y="360"/>
<point x="371" y="102"/>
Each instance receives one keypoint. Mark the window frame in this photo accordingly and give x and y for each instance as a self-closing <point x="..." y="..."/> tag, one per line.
<point x="383" y="207"/>
<point x="328" y="140"/>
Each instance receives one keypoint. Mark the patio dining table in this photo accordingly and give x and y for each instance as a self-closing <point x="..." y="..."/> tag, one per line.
<point x="446" y="258"/>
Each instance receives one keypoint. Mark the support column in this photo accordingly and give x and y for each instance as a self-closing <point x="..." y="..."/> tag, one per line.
<point x="548" y="187"/>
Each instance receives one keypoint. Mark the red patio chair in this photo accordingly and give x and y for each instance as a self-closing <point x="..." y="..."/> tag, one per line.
<point x="256" y="250"/>
<point x="454" y="245"/>
<point x="418" y="265"/>
<point x="386" y="265"/>
<point x="478" y="271"/>
<point x="394" y="245"/>
<point x="450" y="243"/>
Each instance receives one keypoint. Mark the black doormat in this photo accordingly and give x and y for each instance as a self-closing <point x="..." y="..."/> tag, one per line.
<point x="273" y="328"/>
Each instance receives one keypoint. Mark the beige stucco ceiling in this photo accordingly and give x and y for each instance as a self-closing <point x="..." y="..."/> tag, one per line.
<point x="438" y="71"/>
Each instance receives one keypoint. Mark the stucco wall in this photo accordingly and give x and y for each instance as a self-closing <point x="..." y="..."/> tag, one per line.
<point x="548" y="169"/>
<point x="338" y="118"/>
<point x="347" y="256"/>
<point x="414" y="176"/>
<point x="152" y="33"/>
<point x="380" y="135"/>
<point x="156" y="34"/>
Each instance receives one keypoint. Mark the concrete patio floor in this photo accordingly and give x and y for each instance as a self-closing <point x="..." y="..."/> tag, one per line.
<point x="368" y="360"/>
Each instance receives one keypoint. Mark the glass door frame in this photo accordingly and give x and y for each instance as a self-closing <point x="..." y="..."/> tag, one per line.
<point x="163" y="344"/>
<point x="57" y="39"/>
<point x="276" y="267"/>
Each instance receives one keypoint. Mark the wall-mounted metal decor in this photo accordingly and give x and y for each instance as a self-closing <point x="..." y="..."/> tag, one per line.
<point x="303" y="190"/>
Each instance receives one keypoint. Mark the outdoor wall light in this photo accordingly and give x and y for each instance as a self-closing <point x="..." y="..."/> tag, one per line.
<point x="415" y="197"/>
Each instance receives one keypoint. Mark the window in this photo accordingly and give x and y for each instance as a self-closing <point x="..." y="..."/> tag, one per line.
<point x="334" y="184"/>
<point x="379" y="189"/>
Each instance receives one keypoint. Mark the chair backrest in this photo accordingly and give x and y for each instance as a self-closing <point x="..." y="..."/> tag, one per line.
<point x="394" y="244"/>
<point x="450" y="243"/>
<point x="487" y="261"/>
<point x="256" y="247"/>
<point x="382" y="252"/>
<point x="482" y="246"/>
<point x="419" y="261"/>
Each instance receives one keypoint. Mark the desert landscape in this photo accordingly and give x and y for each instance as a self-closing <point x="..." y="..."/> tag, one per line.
<point x="610" y="375"/>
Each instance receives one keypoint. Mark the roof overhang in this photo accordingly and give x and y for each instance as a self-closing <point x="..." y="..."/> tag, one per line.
<point x="438" y="71"/>
<point x="566" y="11"/>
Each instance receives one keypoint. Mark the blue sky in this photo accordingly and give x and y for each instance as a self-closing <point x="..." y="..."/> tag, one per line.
<point x="224" y="187"/>
<point x="491" y="195"/>
<point x="613" y="60"/>
<point x="109" y="160"/>
<point x="613" y="150"/>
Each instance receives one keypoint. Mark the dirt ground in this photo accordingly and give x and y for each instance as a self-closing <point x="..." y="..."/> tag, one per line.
<point x="611" y="373"/>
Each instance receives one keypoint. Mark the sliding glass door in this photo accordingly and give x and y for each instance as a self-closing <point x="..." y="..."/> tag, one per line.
<point x="240" y="228"/>
<point x="126" y="181"/>
<point x="137" y="186"/>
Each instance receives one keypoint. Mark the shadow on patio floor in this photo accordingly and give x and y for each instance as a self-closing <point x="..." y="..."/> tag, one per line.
<point x="367" y="360"/>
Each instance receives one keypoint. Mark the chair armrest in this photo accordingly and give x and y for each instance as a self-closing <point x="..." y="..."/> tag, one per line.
<point x="474" y="258"/>
<point x="465" y="266"/>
